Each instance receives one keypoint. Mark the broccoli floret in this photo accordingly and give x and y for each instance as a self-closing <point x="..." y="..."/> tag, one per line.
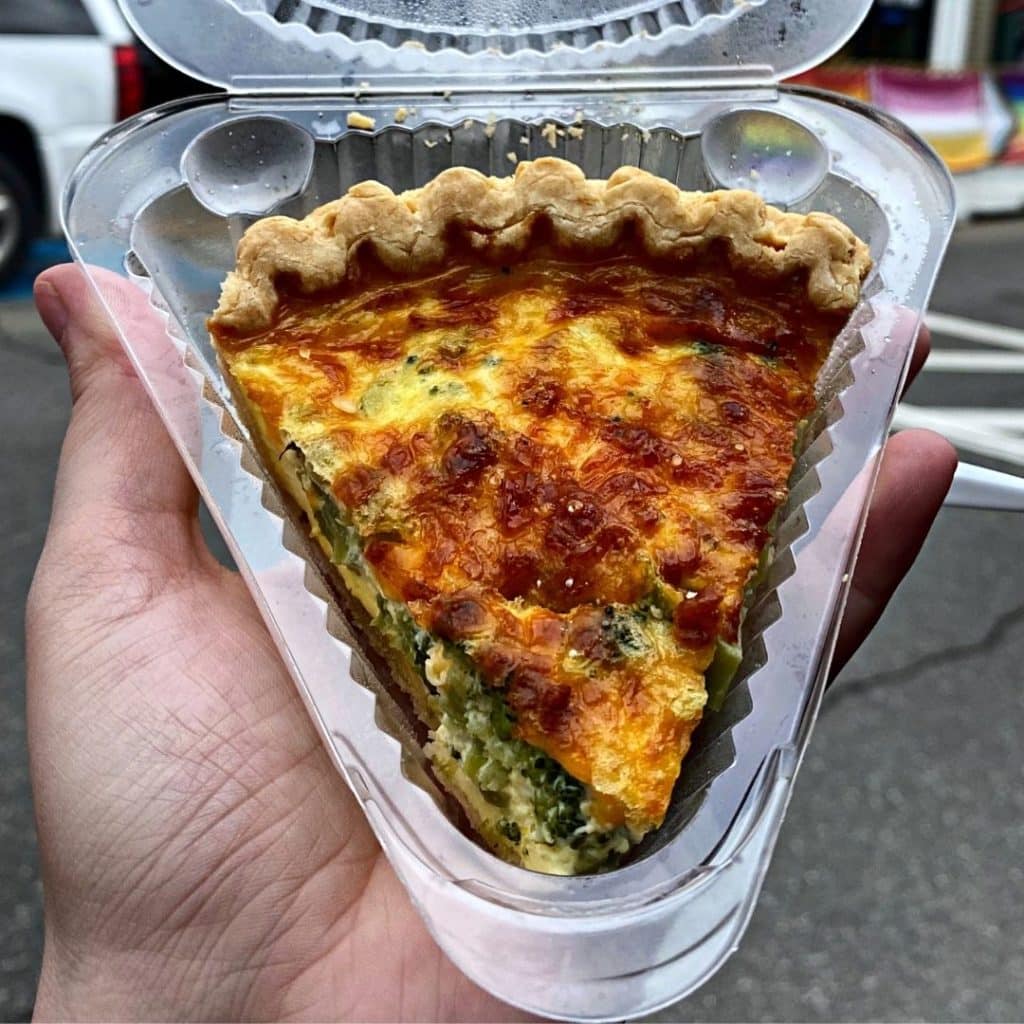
<point x="557" y="797"/>
<point x="510" y="830"/>
<point x="622" y="631"/>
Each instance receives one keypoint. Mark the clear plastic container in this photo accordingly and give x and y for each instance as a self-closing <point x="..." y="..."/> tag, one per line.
<point x="686" y="89"/>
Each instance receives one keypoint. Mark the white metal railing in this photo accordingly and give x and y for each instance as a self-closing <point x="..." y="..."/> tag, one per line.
<point x="996" y="433"/>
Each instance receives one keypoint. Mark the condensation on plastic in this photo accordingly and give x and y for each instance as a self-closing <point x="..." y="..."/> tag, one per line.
<point x="161" y="203"/>
<point x="312" y="45"/>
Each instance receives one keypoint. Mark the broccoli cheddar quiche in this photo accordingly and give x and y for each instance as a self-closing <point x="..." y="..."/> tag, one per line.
<point x="541" y="427"/>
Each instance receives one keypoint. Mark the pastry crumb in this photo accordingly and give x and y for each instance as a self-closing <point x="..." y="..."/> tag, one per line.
<point x="430" y="143"/>
<point x="550" y="133"/>
<point x="447" y="94"/>
<point x="401" y="114"/>
<point x="578" y="116"/>
<point x="344" y="404"/>
<point x="645" y="134"/>
<point x="575" y="131"/>
<point x="490" y="127"/>
<point x="524" y="139"/>
<point x="468" y="123"/>
<point x="356" y="120"/>
<point x="447" y="136"/>
<point x="511" y="157"/>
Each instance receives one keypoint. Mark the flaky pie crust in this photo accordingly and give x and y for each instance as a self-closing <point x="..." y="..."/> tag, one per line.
<point x="414" y="232"/>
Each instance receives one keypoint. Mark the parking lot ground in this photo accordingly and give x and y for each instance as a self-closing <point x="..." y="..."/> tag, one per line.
<point x="897" y="889"/>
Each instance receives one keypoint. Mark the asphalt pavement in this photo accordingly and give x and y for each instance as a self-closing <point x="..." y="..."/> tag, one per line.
<point x="897" y="888"/>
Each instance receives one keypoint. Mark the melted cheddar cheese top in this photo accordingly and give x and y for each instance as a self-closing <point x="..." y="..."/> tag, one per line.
<point x="528" y="451"/>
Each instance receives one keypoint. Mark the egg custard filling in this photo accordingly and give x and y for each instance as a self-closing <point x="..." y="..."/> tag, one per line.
<point x="545" y="472"/>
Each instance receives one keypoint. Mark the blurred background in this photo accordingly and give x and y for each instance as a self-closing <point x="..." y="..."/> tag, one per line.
<point x="69" y="71"/>
<point x="897" y="890"/>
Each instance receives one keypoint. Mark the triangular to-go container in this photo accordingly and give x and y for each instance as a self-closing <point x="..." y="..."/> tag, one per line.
<point x="685" y="90"/>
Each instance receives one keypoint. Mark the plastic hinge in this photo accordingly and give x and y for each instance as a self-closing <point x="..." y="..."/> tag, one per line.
<point x="757" y="77"/>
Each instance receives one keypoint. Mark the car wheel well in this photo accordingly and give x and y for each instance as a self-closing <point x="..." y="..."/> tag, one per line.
<point x="18" y="144"/>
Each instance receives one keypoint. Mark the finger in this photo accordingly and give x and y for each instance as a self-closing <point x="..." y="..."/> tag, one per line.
<point x="120" y="479"/>
<point x="917" y="469"/>
<point x="922" y="349"/>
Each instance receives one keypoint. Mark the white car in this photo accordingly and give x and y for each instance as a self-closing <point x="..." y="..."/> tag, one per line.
<point x="69" y="70"/>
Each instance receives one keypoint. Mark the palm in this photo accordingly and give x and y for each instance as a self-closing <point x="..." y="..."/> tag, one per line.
<point x="202" y="859"/>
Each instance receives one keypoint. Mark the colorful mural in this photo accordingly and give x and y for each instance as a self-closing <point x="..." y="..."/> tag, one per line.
<point x="974" y="119"/>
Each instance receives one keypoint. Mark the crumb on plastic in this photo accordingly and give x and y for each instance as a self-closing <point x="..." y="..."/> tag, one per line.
<point x="550" y="133"/>
<point x="357" y="120"/>
<point x="578" y="116"/>
<point x="468" y="123"/>
<point x="430" y="143"/>
<point x="575" y="131"/>
<point x="511" y="157"/>
<point x="491" y="126"/>
<point x="401" y="114"/>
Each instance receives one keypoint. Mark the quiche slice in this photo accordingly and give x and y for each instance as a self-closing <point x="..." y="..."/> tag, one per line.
<point x="541" y="426"/>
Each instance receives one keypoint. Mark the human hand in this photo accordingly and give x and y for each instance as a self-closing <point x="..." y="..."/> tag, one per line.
<point x="913" y="480"/>
<point x="201" y="858"/>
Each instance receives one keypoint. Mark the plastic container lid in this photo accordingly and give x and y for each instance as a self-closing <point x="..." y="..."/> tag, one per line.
<point x="433" y="45"/>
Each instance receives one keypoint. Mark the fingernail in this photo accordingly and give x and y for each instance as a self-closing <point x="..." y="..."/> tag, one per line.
<point x="54" y="313"/>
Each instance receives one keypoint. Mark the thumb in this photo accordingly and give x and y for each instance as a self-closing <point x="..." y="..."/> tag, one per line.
<point x="121" y="486"/>
<point x="80" y="330"/>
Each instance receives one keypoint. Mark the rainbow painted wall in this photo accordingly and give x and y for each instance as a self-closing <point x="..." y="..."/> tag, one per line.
<point x="974" y="119"/>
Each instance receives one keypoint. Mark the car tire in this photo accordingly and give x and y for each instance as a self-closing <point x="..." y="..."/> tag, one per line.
<point x="19" y="217"/>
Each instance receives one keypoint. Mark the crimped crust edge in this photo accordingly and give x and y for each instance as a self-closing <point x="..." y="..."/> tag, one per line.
<point x="413" y="232"/>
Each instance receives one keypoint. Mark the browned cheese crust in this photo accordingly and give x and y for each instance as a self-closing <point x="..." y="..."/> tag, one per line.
<point x="547" y="402"/>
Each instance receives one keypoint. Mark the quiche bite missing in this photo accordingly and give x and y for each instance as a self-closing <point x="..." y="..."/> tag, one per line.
<point x="541" y="427"/>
